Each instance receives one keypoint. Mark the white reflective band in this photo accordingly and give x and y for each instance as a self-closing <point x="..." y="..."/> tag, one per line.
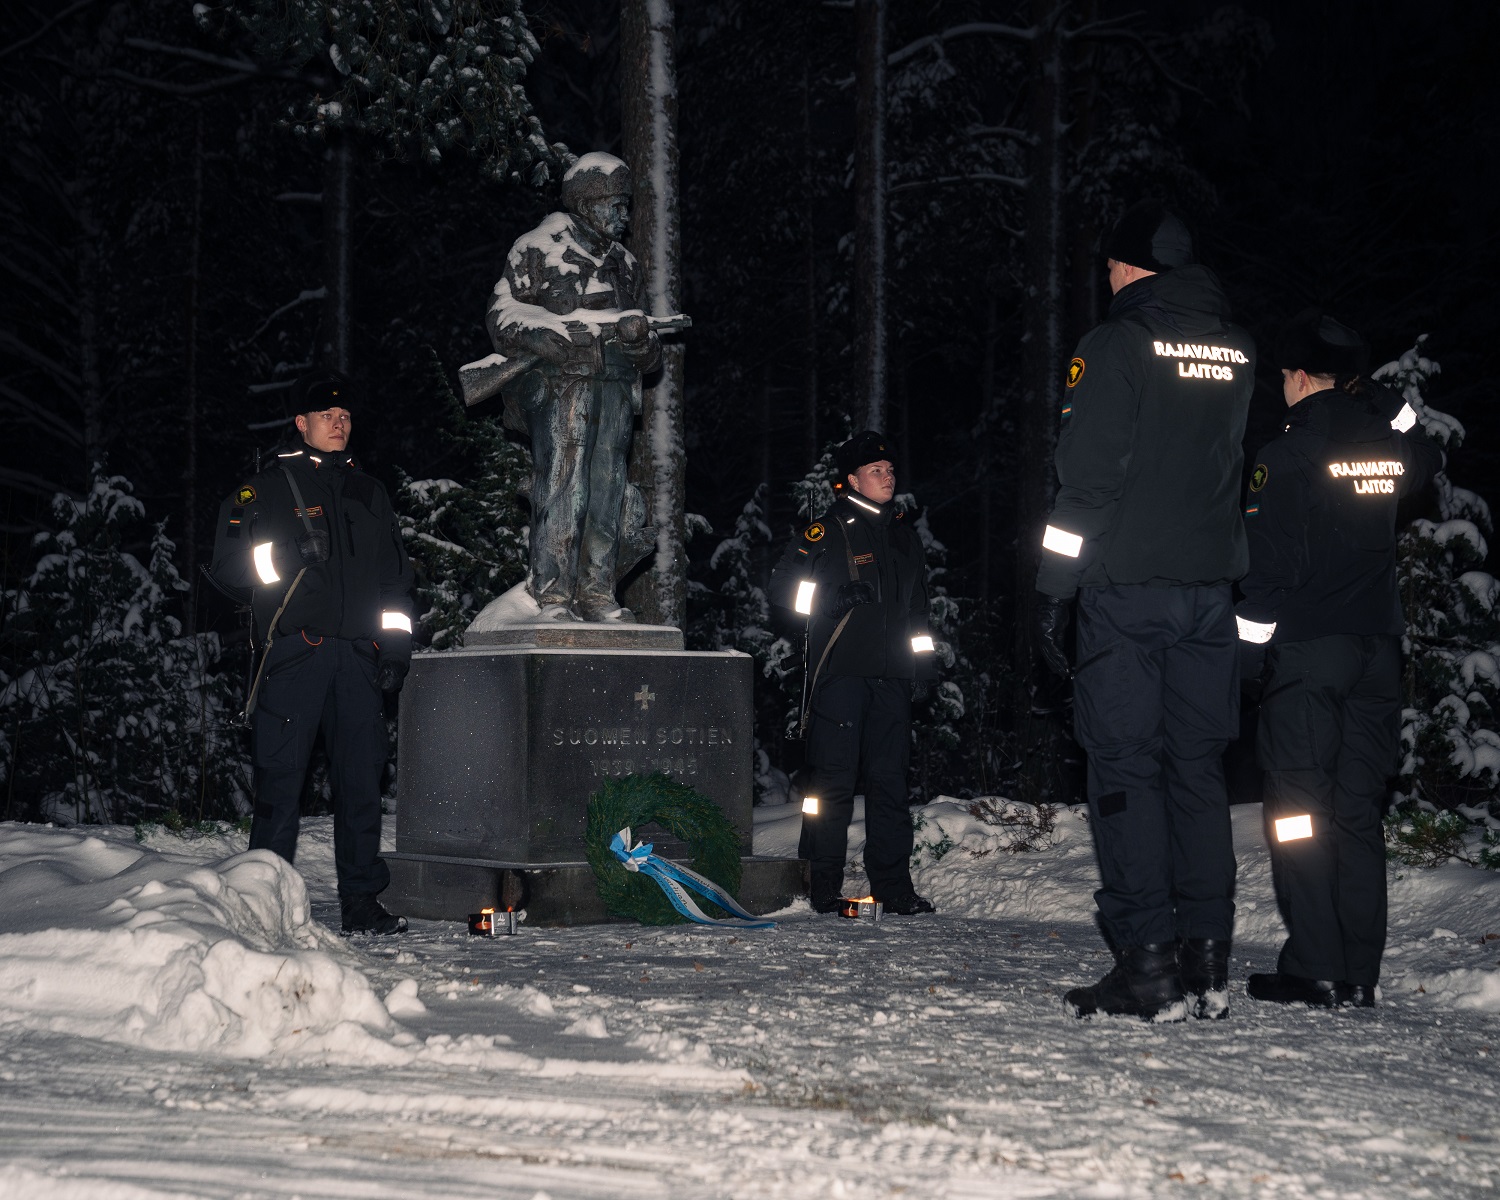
<point x="1290" y="829"/>
<point x="1404" y="419"/>
<point x="810" y="805"/>
<point x="867" y="507"/>
<point x="263" y="565"/>
<point x="805" y="591"/>
<point x="395" y="620"/>
<point x="1254" y="631"/>
<point x="921" y="644"/>
<point x="1060" y="541"/>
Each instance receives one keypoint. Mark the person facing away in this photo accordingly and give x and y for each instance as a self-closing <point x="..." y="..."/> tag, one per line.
<point x="1321" y="604"/>
<point x="316" y="542"/>
<point x="857" y="575"/>
<point x="1146" y="534"/>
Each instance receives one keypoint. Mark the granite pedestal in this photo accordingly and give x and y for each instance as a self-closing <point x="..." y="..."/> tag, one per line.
<point x="502" y="746"/>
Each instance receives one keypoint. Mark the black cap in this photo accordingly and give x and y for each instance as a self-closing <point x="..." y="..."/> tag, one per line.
<point x="324" y="389"/>
<point x="1150" y="237"/>
<point x="862" y="448"/>
<point x="1314" y="342"/>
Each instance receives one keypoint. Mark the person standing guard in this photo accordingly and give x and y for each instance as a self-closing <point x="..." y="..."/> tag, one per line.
<point x="858" y="575"/>
<point x="316" y="541"/>
<point x="1146" y="531"/>
<point x="1322" y="598"/>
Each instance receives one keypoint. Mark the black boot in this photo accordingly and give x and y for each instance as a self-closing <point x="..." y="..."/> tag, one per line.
<point x="824" y="891"/>
<point x="1292" y="989"/>
<point x="1355" y="995"/>
<point x="1204" y="964"/>
<point x="365" y="914"/>
<point x="906" y="903"/>
<point x="1144" y="983"/>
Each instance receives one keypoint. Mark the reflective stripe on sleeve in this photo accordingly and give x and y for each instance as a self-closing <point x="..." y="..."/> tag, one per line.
<point x="921" y="644"/>
<point x="1254" y="631"/>
<point x="803" y="603"/>
<point x="264" y="567"/>
<point x="1291" y="829"/>
<point x="391" y="619"/>
<point x="1060" y="541"/>
<point x="1404" y="419"/>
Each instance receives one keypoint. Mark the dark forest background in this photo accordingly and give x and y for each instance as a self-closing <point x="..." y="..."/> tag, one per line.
<point x="165" y="244"/>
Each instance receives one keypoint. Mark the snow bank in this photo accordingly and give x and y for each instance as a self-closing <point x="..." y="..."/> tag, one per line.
<point x="129" y="945"/>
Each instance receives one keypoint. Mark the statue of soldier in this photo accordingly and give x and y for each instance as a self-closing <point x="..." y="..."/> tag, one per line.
<point x="571" y="300"/>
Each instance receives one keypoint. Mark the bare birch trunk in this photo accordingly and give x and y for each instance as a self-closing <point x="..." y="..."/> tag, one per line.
<point x="658" y="458"/>
<point x="338" y="166"/>
<point x="869" y="209"/>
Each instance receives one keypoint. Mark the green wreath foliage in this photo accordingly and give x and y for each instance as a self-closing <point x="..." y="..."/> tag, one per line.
<point x="637" y="800"/>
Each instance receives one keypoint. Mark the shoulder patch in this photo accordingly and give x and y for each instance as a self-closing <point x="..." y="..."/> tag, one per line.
<point x="1075" y="372"/>
<point x="814" y="532"/>
<point x="1259" y="476"/>
<point x="245" y="495"/>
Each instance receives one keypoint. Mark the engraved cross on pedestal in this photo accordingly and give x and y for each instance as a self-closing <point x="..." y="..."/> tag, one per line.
<point x="645" y="696"/>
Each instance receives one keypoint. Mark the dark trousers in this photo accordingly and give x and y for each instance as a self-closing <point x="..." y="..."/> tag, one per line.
<point x="859" y="729"/>
<point x="1156" y="703"/>
<point x="1329" y="735"/>
<point x="328" y="682"/>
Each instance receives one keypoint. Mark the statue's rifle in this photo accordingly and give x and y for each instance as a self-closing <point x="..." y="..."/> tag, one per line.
<point x="487" y="376"/>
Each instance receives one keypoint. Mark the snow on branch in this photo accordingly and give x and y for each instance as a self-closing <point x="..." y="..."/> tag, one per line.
<point x="977" y="177"/>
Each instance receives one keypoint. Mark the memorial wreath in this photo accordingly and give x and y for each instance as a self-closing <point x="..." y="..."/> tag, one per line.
<point x="637" y="800"/>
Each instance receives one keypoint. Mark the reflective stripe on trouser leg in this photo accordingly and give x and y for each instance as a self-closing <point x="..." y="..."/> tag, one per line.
<point x="1329" y="732"/>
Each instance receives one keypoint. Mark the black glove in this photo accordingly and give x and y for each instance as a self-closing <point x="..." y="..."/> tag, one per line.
<point x="390" y="675"/>
<point x="850" y="595"/>
<point x="313" y="546"/>
<point x="920" y="690"/>
<point x="1051" y="628"/>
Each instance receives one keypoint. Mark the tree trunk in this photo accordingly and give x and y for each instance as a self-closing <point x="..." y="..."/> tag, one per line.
<point x="190" y="391"/>
<point x="1041" y="360"/>
<point x="811" y="309"/>
<point x="658" y="458"/>
<point x="90" y="374"/>
<point x="338" y="166"/>
<point x="869" y="209"/>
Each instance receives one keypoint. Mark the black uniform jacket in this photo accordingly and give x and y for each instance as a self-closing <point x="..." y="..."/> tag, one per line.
<point x="1321" y="515"/>
<point x="363" y="591"/>
<point x="1149" y="459"/>
<point x="858" y="539"/>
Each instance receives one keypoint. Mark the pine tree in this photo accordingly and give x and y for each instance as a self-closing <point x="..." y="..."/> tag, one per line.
<point x="109" y="713"/>
<point x="425" y="77"/>
<point x="1450" y="745"/>
<point x="468" y="541"/>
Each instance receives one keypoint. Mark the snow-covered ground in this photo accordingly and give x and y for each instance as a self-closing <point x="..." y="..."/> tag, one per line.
<point x="177" y="1020"/>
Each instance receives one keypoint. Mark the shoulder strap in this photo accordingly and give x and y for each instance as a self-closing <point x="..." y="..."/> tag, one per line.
<point x="300" y="503"/>
<point x="812" y="682"/>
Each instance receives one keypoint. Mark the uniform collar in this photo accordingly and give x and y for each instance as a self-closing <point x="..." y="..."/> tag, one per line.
<point x="302" y="452"/>
<point x="875" y="514"/>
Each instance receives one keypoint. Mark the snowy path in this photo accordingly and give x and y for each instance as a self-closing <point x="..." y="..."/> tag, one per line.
<point x="923" y="1057"/>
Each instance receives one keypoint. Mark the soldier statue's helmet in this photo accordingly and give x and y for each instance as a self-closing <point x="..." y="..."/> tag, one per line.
<point x="593" y="177"/>
<point x="1317" y="343"/>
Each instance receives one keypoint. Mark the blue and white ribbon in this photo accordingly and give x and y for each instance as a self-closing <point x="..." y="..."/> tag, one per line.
<point x="674" y="880"/>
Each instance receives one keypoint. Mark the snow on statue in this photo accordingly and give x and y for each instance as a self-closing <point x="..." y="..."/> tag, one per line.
<point x="572" y="340"/>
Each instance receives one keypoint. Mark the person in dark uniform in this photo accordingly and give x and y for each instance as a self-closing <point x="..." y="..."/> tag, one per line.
<point x="1321" y="597"/>
<point x="858" y="575"/>
<point x="316" y="541"/>
<point x="1146" y="531"/>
